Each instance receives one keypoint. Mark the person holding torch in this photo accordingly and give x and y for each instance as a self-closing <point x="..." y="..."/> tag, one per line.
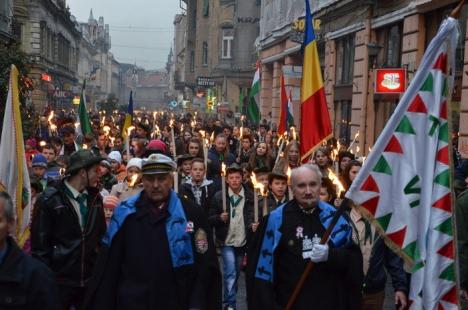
<point x="233" y="227"/>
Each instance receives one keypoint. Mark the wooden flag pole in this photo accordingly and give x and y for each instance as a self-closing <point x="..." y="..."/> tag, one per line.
<point x="457" y="10"/>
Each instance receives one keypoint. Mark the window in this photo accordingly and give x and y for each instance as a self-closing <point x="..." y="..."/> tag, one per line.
<point x="343" y="119"/>
<point x="192" y="61"/>
<point x="63" y="51"/>
<point x="206" y="8"/>
<point x="226" y="48"/>
<point x="205" y="54"/>
<point x="47" y="42"/>
<point x="390" y="40"/>
<point x="345" y="60"/>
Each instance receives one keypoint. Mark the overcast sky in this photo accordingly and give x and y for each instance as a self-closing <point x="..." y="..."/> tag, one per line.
<point x="141" y="30"/>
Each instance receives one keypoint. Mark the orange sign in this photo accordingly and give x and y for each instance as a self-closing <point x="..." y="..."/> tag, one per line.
<point x="46" y="77"/>
<point x="390" y="81"/>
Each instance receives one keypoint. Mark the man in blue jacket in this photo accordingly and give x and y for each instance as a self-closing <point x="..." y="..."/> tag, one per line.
<point x="158" y="251"/>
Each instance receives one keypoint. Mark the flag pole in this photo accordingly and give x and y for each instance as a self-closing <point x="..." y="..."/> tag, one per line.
<point x="457" y="10"/>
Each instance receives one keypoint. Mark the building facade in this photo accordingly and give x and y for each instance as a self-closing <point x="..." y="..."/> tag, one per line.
<point x="220" y="52"/>
<point x="354" y="38"/>
<point x="6" y="21"/>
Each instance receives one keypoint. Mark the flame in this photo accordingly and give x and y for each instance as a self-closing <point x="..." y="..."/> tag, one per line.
<point x="171" y="123"/>
<point x="193" y="123"/>
<point x="62" y="171"/>
<point x="339" y="187"/>
<point x="182" y="128"/>
<point x="112" y="140"/>
<point x="293" y="133"/>
<point x="223" y="169"/>
<point x="370" y="149"/>
<point x="338" y="145"/>
<point x="241" y="130"/>
<point x="278" y="143"/>
<point x="132" y="180"/>
<point x="77" y="124"/>
<point x="129" y="130"/>
<point x="356" y="135"/>
<point x="212" y="137"/>
<point x="258" y="185"/>
<point x="106" y="130"/>
<point x="357" y="149"/>
<point x="202" y="133"/>
<point x="42" y="143"/>
<point x="53" y="127"/>
<point x="51" y="116"/>
<point x="288" y="173"/>
<point x="84" y="147"/>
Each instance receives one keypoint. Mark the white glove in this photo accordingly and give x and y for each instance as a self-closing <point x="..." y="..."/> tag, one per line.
<point x="319" y="253"/>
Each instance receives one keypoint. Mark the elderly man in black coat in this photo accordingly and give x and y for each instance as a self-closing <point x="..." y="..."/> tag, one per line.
<point x="159" y="254"/>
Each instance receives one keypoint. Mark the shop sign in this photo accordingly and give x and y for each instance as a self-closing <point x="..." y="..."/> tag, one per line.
<point x="205" y="81"/>
<point x="390" y="81"/>
<point x="46" y="77"/>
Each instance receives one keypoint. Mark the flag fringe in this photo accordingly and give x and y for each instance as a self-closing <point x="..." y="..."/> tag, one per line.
<point x="409" y="263"/>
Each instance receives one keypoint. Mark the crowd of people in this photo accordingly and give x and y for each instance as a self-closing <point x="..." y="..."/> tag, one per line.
<point x="171" y="216"/>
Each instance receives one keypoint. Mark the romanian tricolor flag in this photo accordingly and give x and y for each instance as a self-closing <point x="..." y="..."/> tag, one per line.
<point x="315" y="120"/>
<point x="128" y="116"/>
<point x="14" y="176"/>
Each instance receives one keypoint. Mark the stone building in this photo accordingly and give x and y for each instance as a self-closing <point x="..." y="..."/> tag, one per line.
<point x="354" y="38"/>
<point x="220" y="52"/>
<point x="50" y="37"/>
<point x="6" y="21"/>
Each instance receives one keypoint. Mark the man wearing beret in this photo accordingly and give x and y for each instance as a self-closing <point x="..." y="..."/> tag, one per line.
<point x="158" y="251"/>
<point x="68" y="225"/>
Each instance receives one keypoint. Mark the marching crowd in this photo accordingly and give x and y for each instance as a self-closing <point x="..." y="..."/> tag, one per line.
<point x="169" y="218"/>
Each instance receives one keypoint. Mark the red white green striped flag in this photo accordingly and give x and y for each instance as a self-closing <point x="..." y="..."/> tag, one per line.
<point x="405" y="184"/>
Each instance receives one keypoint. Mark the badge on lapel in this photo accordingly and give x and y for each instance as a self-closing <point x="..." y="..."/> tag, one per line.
<point x="201" y="241"/>
<point x="189" y="227"/>
<point x="299" y="232"/>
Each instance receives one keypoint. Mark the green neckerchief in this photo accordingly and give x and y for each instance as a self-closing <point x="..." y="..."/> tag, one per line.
<point x="221" y="157"/>
<point x="81" y="199"/>
<point x="234" y="204"/>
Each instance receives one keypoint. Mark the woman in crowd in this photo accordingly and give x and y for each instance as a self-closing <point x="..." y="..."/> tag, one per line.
<point x="260" y="158"/>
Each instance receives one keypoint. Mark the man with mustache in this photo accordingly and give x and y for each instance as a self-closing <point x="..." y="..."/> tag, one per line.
<point x="289" y="238"/>
<point x="158" y="251"/>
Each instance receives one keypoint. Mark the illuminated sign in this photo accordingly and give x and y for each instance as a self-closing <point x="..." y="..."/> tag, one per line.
<point x="390" y="81"/>
<point x="299" y="24"/>
<point x="46" y="77"/>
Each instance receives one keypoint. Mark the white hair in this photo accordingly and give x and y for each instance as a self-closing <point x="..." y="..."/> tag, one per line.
<point x="8" y="207"/>
<point x="299" y="170"/>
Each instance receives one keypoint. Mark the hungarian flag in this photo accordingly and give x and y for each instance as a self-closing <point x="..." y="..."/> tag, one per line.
<point x="85" y="124"/>
<point x="14" y="176"/>
<point x="315" y="121"/>
<point x="404" y="186"/>
<point x="128" y="117"/>
<point x="253" y="111"/>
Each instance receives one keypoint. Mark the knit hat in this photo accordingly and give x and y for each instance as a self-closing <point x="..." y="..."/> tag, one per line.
<point x="134" y="162"/>
<point x="39" y="160"/>
<point x="115" y="155"/>
<point x="157" y="145"/>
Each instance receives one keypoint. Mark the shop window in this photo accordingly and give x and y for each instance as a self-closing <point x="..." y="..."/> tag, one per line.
<point x="345" y="60"/>
<point x="205" y="54"/>
<point x="343" y="120"/>
<point x="226" y="47"/>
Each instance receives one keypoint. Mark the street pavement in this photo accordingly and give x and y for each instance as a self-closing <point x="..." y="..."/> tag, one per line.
<point x="242" y="305"/>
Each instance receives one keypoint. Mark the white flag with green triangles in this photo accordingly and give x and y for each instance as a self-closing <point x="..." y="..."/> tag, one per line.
<point x="404" y="184"/>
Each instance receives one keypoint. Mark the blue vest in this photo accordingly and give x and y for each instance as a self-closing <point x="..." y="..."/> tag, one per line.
<point x="340" y="237"/>
<point x="180" y="244"/>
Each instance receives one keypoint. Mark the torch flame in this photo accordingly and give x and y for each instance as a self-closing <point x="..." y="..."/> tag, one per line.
<point x="258" y="185"/>
<point x="339" y="187"/>
<point x="129" y="130"/>
<point x="223" y="169"/>
<point x="106" y="130"/>
<point x="85" y="147"/>
<point x="278" y="143"/>
<point x="288" y="173"/>
<point x="356" y="135"/>
<point x="202" y="133"/>
<point x="171" y="123"/>
<point x="212" y="137"/>
<point x="112" y="140"/>
<point x="293" y="133"/>
<point x="42" y="143"/>
<point x="51" y="116"/>
<point x="132" y="180"/>
<point x="62" y="171"/>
